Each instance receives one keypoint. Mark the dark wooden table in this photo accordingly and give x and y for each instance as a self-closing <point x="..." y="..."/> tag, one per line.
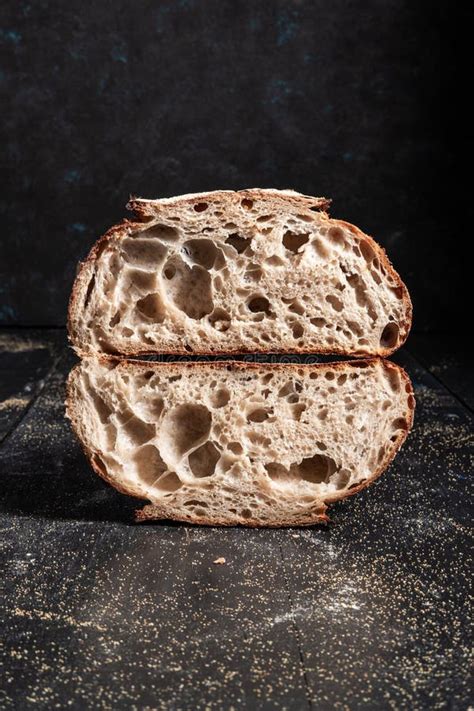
<point x="100" y="613"/>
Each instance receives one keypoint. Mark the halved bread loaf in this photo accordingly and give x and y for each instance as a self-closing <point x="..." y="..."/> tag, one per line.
<point x="229" y="272"/>
<point x="237" y="443"/>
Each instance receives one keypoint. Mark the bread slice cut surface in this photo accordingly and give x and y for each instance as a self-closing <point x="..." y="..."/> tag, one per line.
<point x="229" y="272"/>
<point x="238" y="443"/>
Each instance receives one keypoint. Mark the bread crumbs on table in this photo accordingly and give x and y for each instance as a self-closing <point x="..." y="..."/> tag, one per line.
<point x="219" y="561"/>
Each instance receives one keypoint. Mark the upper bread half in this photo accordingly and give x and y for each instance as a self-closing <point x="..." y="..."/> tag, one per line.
<point x="234" y="272"/>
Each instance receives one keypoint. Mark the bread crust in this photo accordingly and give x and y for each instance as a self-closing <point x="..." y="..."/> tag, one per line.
<point x="157" y="512"/>
<point x="147" y="209"/>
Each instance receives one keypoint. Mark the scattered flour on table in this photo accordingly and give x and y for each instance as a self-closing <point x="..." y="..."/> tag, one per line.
<point x="13" y="402"/>
<point x="17" y="344"/>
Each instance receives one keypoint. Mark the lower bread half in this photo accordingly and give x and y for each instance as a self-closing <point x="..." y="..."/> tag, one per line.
<point x="223" y="443"/>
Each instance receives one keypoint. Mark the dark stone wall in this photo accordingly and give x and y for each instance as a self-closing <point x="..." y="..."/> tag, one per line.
<point x="351" y="100"/>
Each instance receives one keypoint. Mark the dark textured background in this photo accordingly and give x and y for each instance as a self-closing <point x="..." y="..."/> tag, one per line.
<point x="354" y="101"/>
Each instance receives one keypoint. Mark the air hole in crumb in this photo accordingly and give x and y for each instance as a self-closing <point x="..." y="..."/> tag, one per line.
<point x="400" y="424"/>
<point x="259" y="304"/>
<point x="137" y="431"/>
<point x="151" y="409"/>
<point x="100" y="464"/>
<point x="246" y="513"/>
<point x="275" y="261"/>
<point x="253" y="273"/>
<point x="192" y="503"/>
<point x="320" y="248"/>
<point x="152" y="308"/>
<point x="90" y="288"/>
<point x="398" y="291"/>
<point x="183" y="428"/>
<point x="293" y="242"/>
<point x="341" y="478"/>
<point x="297" y="410"/>
<point x="266" y="378"/>
<point x="389" y="337"/>
<point x="315" y="470"/>
<point x="146" y="253"/>
<point x="393" y="379"/>
<point x="204" y="253"/>
<point x="296" y="307"/>
<point x="355" y="328"/>
<point x="200" y="206"/>
<point x="235" y="447"/>
<point x="220" y="319"/>
<point x="336" y="303"/>
<point x="115" y="319"/>
<point x="149" y="464"/>
<point x="220" y="398"/>
<point x="165" y="233"/>
<point x="238" y="243"/>
<point x="297" y="330"/>
<point x="289" y="391"/>
<point x="336" y="235"/>
<point x="247" y="204"/>
<point x="314" y="375"/>
<point x="367" y="251"/>
<point x="318" y="322"/>
<point x="226" y="462"/>
<point x="259" y="415"/>
<point x="203" y="460"/>
<point x="264" y="218"/>
<point x="257" y="439"/>
<point x="329" y="375"/>
<point x="189" y="288"/>
<point x="322" y="414"/>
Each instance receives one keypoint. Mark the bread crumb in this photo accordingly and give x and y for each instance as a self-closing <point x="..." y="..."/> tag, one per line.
<point x="219" y="561"/>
